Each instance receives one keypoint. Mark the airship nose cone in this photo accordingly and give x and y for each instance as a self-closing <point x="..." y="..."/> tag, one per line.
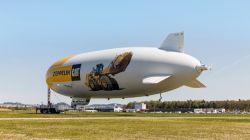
<point x="201" y="68"/>
<point x="47" y="76"/>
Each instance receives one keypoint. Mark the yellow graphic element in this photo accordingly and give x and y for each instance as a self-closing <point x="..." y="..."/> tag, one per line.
<point x="59" y="74"/>
<point x="62" y="61"/>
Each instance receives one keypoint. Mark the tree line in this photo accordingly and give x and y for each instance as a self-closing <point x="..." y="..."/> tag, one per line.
<point x="229" y="105"/>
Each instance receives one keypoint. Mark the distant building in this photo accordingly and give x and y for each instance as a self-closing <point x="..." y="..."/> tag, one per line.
<point x="190" y="110"/>
<point x="221" y="110"/>
<point x="15" y="105"/>
<point x="140" y="107"/>
<point x="130" y="110"/>
<point x="105" y="107"/>
<point x="198" y="110"/>
<point x="62" y="106"/>
<point x="209" y="110"/>
<point x="177" y="110"/>
<point x="117" y="109"/>
<point x="91" y="110"/>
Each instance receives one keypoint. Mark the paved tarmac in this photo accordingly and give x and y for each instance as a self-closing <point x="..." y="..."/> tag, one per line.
<point x="122" y="118"/>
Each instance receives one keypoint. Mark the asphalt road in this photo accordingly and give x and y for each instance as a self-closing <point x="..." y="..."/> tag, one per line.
<point x="124" y="118"/>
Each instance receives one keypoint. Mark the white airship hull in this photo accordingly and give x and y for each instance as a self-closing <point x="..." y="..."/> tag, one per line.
<point x="125" y="72"/>
<point x="174" y="69"/>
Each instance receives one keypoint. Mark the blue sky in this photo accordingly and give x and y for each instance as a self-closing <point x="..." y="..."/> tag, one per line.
<point x="34" y="34"/>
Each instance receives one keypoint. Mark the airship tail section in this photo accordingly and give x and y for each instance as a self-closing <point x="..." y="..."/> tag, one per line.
<point x="174" y="42"/>
<point x="195" y="84"/>
<point x="154" y="79"/>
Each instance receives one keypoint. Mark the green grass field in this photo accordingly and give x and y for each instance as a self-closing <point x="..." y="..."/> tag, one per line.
<point x="122" y="126"/>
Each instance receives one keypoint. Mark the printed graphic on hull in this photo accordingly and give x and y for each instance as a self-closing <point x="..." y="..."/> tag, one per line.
<point x="101" y="78"/>
<point x="64" y="74"/>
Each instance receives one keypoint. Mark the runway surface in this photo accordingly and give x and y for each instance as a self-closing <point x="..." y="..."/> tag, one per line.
<point x="124" y="118"/>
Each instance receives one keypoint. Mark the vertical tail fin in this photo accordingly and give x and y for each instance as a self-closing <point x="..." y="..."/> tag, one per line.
<point x="174" y="42"/>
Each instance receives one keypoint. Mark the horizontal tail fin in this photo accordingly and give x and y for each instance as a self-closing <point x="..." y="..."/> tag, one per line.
<point x="155" y="79"/>
<point x="195" y="84"/>
<point x="174" y="42"/>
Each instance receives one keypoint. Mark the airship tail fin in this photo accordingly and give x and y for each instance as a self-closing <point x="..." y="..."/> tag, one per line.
<point x="174" y="42"/>
<point x="155" y="79"/>
<point x="195" y="84"/>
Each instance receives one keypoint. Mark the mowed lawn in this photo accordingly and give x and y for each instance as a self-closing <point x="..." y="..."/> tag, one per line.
<point x="129" y="127"/>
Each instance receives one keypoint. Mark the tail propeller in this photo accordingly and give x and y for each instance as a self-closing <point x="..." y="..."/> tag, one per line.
<point x="203" y="67"/>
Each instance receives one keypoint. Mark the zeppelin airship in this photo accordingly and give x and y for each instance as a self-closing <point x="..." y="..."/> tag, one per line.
<point x="125" y="72"/>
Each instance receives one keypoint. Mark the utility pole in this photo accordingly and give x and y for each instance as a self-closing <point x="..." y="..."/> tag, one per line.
<point x="49" y="102"/>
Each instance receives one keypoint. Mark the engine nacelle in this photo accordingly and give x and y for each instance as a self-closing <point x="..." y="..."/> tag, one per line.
<point x="79" y="101"/>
